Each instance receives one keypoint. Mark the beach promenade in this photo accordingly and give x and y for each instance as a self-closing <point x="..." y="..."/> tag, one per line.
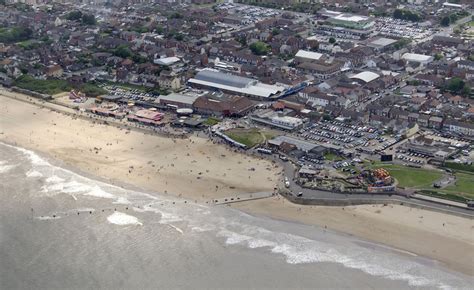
<point x="198" y="170"/>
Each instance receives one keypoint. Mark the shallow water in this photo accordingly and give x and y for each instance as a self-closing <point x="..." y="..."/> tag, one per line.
<point x="59" y="229"/>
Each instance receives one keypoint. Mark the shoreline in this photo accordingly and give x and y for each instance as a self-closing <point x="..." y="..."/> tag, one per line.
<point x="53" y="136"/>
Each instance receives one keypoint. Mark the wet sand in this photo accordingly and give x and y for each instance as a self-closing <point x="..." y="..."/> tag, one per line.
<point x="197" y="169"/>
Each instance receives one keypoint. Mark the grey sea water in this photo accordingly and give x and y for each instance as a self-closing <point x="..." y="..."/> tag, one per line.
<point x="60" y="230"/>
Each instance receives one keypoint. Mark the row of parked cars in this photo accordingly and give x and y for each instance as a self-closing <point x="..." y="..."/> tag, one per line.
<point x="409" y="159"/>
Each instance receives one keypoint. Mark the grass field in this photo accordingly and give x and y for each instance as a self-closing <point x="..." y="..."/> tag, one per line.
<point x="50" y="87"/>
<point x="55" y="86"/>
<point x="211" y="121"/>
<point x="464" y="185"/>
<point x="249" y="137"/>
<point x="332" y="157"/>
<point x="411" y="177"/>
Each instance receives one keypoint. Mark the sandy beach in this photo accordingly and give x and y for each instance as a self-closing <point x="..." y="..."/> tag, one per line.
<point x="194" y="168"/>
<point x="197" y="169"/>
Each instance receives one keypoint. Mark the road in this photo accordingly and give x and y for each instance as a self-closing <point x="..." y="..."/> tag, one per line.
<point x="308" y="194"/>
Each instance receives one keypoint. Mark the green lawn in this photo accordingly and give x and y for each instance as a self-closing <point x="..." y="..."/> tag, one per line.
<point x="250" y="137"/>
<point x="411" y="177"/>
<point x="50" y="87"/>
<point x="211" y="121"/>
<point x="54" y="86"/>
<point x="29" y="44"/>
<point x="332" y="157"/>
<point x="464" y="185"/>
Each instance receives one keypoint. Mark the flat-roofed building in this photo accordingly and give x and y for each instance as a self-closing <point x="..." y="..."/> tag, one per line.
<point x="217" y="80"/>
<point x="417" y="58"/>
<point x="365" y="77"/>
<point x="274" y="119"/>
<point x="381" y="43"/>
<point x="305" y="55"/>
<point x="223" y="105"/>
<point x="352" y="21"/>
<point x="298" y="143"/>
<point x="322" y="69"/>
<point x="177" y="100"/>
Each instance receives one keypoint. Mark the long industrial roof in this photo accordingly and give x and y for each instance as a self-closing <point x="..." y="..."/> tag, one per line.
<point x="233" y="83"/>
<point x="365" y="76"/>
<point x="179" y="98"/>
<point x="415" y="57"/>
<point x="224" y="78"/>
<point x="351" y="17"/>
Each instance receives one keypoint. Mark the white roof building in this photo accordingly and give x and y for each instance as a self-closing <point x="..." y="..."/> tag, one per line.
<point x="167" y="61"/>
<point x="235" y="84"/>
<point x="366" y="76"/>
<point x="419" y="58"/>
<point x="308" y="54"/>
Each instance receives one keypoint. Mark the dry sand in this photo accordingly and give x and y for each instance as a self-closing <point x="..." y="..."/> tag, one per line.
<point x="194" y="167"/>
<point x="446" y="238"/>
<point x="197" y="169"/>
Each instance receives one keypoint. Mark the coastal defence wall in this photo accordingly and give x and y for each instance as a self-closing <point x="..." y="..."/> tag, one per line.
<point x="364" y="201"/>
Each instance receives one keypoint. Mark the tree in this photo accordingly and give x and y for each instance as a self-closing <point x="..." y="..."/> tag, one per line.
<point x="455" y="84"/>
<point x="176" y="15"/>
<point x="15" y="34"/>
<point x="74" y="15"/>
<point x="398" y="14"/>
<point x="275" y="31"/>
<point x="466" y="90"/>
<point x="406" y="15"/>
<point x="179" y="37"/>
<point x="242" y="40"/>
<point x="438" y="56"/>
<point x="332" y="40"/>
<point x="159" y="29"/>
<point x="259" y="48"/>
<point x="445" y="21"/>
<point x="88" y="19"/>
<point x="122" y="51"/>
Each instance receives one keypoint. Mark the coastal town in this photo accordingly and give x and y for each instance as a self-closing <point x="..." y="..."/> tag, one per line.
<point x="370" y="100"/>
<point x="236" y="144"/>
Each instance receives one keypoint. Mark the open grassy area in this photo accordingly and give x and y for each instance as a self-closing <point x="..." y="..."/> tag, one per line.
<point x="50" y="87"/>
<point x="249" y="137"/>
<point x="211" y="121"/>
<point x="464" y="185"/>
<point x="53" y="87"/>
<point x="332" y="157"/>
<point x="459" y="166"/>
<point x="411" y="177"/>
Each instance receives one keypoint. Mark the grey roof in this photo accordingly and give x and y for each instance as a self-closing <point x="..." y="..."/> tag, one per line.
<point x="178" y="98"/>
<point x="300" y="144"/>
<point x="382" y="41"/>
<point x="223" y="78"/>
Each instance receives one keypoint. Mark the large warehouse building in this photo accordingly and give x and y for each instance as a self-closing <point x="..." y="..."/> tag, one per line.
<point x="352" y="21"/>
<point x="216" y="80"/>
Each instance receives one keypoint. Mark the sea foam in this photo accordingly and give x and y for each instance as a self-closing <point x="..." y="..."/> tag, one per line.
<point x="123" y="219"/>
